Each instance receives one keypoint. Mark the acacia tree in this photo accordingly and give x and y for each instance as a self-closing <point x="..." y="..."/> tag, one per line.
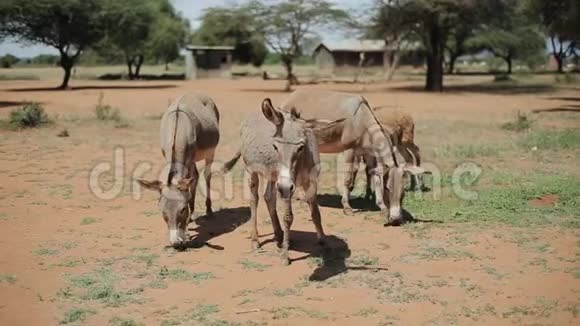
<point x="235" y="26"/>
<point x="388" y="23"/>
<point x="169" y="34"/>
<point x="287" y="24"/>
<point x="128" y="26"/>
<point x="70" y="26"/>
<point x="561" y="19"/>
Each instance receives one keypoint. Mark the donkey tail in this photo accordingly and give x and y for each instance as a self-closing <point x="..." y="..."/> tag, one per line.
<point x="230" y="164"/>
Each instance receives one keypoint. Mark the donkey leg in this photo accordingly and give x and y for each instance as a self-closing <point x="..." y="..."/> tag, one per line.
<point x="207" y="175"/>
<point x="192" y="191"/>
<point x="288" y="219"/>
<point x="316" y="219"/>
<point x="270" y="198"/>
<point x="351" y="166"/>
<point x="379" y="192"/>
<point x="254" y="183"/>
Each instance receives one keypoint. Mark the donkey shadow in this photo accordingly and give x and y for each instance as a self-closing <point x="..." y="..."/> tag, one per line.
<point x="358" y="204"/>
<point x="223" y="221"/>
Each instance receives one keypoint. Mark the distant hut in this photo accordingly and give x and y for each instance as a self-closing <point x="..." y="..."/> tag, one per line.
<point x="203" y="61"/>
<point x="350" y="53"/>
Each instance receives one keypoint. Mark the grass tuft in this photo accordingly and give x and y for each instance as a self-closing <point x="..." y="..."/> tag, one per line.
<point x="29" y="115"/>
<point x="76" y="315"/>
<point x="522" y="122"/>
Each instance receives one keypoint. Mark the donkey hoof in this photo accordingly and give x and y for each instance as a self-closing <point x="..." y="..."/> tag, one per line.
<point x="393" y="222"/>
<point x="209" y="213"/>
<point x="348" y="211"/>
<point x="285" y="261"/>
<point x="255" y="245"/>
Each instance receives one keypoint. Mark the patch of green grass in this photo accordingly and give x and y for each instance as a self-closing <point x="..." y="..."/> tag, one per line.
<point x="286" y="312"/>
<point x="70" y="263"/>
<point x="45" y="252"/>
<point x="522" y="122"/>
<point x="366" y="312"/>
<point x="507" y="204"/>
<point x="3" y="217"/>
<point x="76" y="315"/>
<point x="148" y="259"/>
<point x="552" y="140"/>
<point x="469" y="151"/>
<point x="202" y="312"/>
<point x="150" y="213"/>
<point x="434" y="253"/>
<point x="8" y="278"/>
<point x="363" y="260"/>
<point x="101" y="286"/>
<point x="541" y="308"/>
<point x="575" y="271"/>
<point x="183" y="275"/>
<point x="88" y="220"/>
<point x="287" y="292"/>
<point x="117" y="321"/>
<point x="492" y="271"/>
<point x="63" y="190"/>
<point x="251" y="265"/>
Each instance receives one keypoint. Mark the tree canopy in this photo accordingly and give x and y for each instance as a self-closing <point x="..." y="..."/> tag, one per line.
<point x="70" y="26"/>
<point x="286" y="25"/>
<point x="235" y="26"/>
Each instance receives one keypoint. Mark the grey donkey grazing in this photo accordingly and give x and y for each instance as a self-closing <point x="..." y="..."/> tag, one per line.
<point x="189" y="133"/>
<point x="356" y="130"/>
<point x="278" y="147"/>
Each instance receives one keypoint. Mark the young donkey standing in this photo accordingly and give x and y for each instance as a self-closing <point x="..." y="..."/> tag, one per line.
<point x="356" y="131"/>
<point x="279" y="148"/>
<point x="189" y="133"/>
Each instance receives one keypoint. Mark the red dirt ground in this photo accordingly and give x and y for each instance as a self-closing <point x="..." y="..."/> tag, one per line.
<point x="53" y="229"/>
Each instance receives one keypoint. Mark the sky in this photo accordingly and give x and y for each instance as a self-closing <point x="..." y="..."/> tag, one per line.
<point x="192" y="9"/>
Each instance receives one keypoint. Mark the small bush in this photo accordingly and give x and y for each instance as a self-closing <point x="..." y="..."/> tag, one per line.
<point x="567" y="78"/>
<point x="105" y="112"/>
<point x="29" y="115"/>
<point x="63" y="133"/>
<point x="522" y="123"/>
<point x="502" y="78"/>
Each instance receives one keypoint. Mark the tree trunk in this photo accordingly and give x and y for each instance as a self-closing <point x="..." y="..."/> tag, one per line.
<point x="452" y="59"/>
<point x="130" y="68"/>
<point x="435" y="59"/>
<point x="166" y="66"/>
<point x="508" y="60"/>
<point x="138" y="64"/>
<point x="66" y="63"/>
<point x="290" y="77"/>
<point x="66" y="78"/>
<point x="560" y="63"/>
<point x="391" y="62"/>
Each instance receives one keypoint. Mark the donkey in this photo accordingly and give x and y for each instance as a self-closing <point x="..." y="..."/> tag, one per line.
<point x="278" y="147"/>
<point x="189" y="133"/>
<point x="357" y="131"/>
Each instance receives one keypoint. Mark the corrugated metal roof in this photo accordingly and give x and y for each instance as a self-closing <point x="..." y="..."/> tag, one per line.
<point x="210" y="47"/>
<point x="355" y="45"/>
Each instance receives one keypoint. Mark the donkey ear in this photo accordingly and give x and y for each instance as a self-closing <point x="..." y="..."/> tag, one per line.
<point x="184" y="184"/>
<point x="294" y="113"/>
<point x="271" y="113"/>
<point x="151" y="185"/>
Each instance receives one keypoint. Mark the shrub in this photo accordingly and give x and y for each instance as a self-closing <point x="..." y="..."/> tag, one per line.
<point x="502" y="78"/>
<point x="105" y="112"/>
<point x="522" y="123"/>
<point x="29" y="115"/>
<point x="567" y="78"/>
